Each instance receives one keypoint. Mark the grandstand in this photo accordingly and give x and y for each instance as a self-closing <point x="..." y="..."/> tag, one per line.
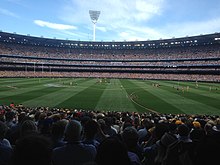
<point x="52" y="121"/>
<point x="194" y="58"/>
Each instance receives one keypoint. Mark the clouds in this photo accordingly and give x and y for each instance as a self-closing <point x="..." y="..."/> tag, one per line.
<point x="55" y="26"/>
<point x="182" y="29"/>
<point x="112" y="11"/>
<point x="119" y="19"/>
<point x="8" y="13"/>
<point x="117" y="16"/>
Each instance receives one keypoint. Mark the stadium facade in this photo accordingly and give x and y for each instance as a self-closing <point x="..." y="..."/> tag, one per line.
<point x="188" y="58"/>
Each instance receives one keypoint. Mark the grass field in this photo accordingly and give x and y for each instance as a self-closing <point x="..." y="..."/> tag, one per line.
<point x="113" y="94"/>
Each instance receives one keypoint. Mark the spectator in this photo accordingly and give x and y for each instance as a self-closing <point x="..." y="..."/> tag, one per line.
<point x="5" y="146"/>
<point x="208" y="149"/>
<point x="166" y="140"/>
<point x="182" y="151"/>
<point x="32" y="149"/>
<point x="112" y="151"/>
<point x="90" y="130"/>
<point x="9" y="117"/>
<point x="57" y="133"/>
<point x="130" y="138"/>
<point x="143" y="132"/>
<point x="28" y="127"/>
<point x="74" y="152"/>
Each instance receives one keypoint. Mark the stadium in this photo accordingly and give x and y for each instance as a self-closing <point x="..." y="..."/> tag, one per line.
<point x="129" y="101"/>
<point x="189" y="68"/>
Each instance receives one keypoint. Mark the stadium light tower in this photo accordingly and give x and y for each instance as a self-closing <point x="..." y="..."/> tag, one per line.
<point x="94" y="15"/>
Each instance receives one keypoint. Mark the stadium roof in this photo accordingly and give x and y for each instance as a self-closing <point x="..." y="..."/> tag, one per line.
<point x="184" y="41"/>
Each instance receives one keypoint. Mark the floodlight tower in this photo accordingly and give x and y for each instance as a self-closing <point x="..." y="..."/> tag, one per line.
<point x="94" y="15"/>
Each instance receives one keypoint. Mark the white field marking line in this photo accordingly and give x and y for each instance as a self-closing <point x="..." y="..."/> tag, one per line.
<point x="12" y="87"/>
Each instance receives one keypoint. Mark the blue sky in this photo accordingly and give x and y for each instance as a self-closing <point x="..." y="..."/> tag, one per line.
<point x="119" y="20"/>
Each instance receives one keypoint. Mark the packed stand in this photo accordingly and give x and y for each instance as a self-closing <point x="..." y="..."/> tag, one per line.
<point x="55" y="136"/>
<point x="196" y="61"/>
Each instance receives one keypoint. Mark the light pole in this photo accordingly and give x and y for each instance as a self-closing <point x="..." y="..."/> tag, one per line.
<point x="94" y="15"/>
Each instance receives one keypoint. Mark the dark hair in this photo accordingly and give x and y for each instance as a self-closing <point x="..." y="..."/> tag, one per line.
<point x="183" y="130"/>
<point x="130" y="137"/>
<point x="3" y="129"/>
<point x="91" y="128"/>
<point x="112" y="151"/>
<point x="57" y="129"/>
<point x="32" y="149"/>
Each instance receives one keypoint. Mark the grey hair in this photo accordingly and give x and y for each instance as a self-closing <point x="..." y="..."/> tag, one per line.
<point x="73" y="130"/>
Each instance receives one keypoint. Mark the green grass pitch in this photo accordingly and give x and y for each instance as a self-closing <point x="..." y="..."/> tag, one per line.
<point x="113" y="94"/>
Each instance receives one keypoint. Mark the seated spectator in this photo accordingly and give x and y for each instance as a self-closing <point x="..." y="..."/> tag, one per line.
<point x="74" y="152"/>
<point x="108" y="129"/>
<point x="130" y="138"/>
<point x="143" y="132"/>
<point x="5" y="146"/>
<point x="3" y="131"/>
<point x="9" y="117"/>
<point x="14" y="133"/>
<point x="28" y="127"/>
<point x="32" y="149"/>
<point x="163" y="144"/>
<point x="197" y="133"/>
<point x="112" y="151"/>
<point x="100" y="136"/>
<point x="151" y="148"/>
<point x="182" y="151"/>
<point x="208" y="149"/>
<point x="90" y="130"/>
<point x="57" y="133"/>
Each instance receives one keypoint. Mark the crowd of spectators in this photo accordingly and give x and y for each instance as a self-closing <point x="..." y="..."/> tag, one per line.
<point x="55" y="136"/>
<point x="179" y="52"/>
<point x="195" y="63"/>
<point x="89" y="74"/>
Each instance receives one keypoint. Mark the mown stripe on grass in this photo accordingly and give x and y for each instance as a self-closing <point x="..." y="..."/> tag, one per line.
<point x="14" y="80"/>
<point x="201" y="89"/>
<point x="20" y="98"/>
<point x="191" y="102"/>
<point x="208" y="90"/>
<point x="26" y="88"/>
<point x="115" y="98"/>
<point x="87" y="98"/>
<point x="206" y="97"/>
<point x="19" y="95"/>
<point x="57" y="97"/>
<point x="146" y="99"/>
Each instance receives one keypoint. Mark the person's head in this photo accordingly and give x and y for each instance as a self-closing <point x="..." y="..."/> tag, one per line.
<point x="32" y="149"/>
<point x="28" y="127"/>
<point x="91" y="128"/>
<point x="208" y="127"/>
<point x="3" y="129"/>
<point x="162" y="146"/>
<point x="196" y="125"/>
<point x="166" y="140"/>
<point x="57" y="129"/>
<point x="130" y="137"/>
<point x="9" y="116"/>
<point x="73" y="131"/>
<point x="183" y="130"/>
<point x="147" y="123"/>
<point x="160" y="129"/>
<point x="108" y="121"/>
<point x="112" y="151"/>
